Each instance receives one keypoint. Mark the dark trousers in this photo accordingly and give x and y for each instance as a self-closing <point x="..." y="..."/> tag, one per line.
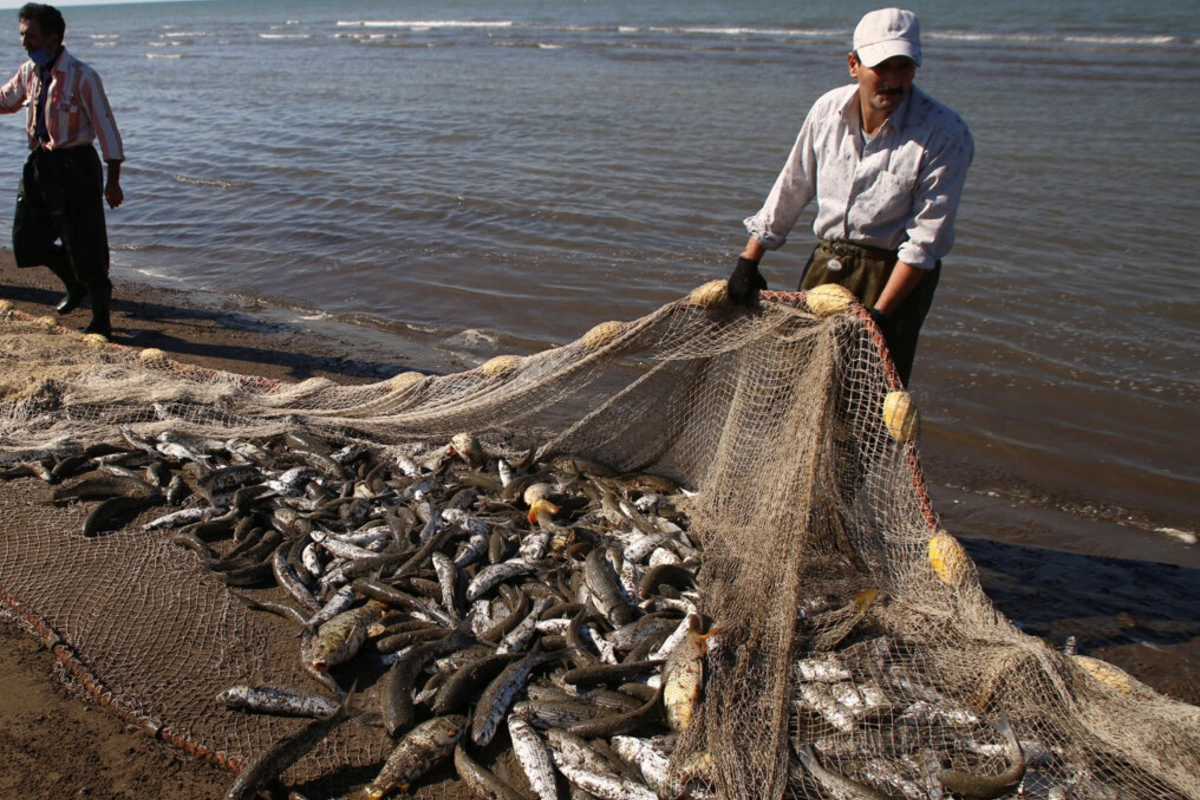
<point x="61" y="199"/>
<point x="865" y="272"/>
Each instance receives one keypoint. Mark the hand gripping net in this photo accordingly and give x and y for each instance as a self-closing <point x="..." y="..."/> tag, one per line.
<point x="845" y="626"/>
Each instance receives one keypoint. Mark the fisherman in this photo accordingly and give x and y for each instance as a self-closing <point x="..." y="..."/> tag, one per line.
<point x="59" y="220"/>
<point x="886" y="164"/>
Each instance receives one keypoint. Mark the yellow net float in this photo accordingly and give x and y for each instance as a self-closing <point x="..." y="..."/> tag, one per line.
<point x="710" y="294"/>
<point x="404" y="380"/>
<point x="537" y="491"/>
<point x="95" y="339"/>
<point x="1111" y="676"/>
<point x="602" y="335"/>
<point x="900" y="416"/>
<point x="468" y="448"/>
<point x="500" y="365"/>
<point x="152" y="356"/>
<point x="5" y="307"/>
<point x="948" y="559"/>
<point x="829" y="299"/>
<point x="315" y="385"/>
<point x="49" y="323"/>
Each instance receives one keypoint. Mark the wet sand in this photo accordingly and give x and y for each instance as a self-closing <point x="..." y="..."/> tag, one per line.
<point x="1127" y="596"/>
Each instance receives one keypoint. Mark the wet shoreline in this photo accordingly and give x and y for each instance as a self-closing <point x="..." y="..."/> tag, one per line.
<point x="977" y="489"/>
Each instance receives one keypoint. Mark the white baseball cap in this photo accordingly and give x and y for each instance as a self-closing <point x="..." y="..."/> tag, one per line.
<point x="885" y="33"/>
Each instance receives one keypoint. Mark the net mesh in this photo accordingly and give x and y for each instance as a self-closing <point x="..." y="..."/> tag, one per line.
<point x="850" y="629"/>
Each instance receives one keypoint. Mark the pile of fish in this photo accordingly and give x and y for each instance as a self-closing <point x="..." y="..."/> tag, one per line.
<point x="554" y="602"/>
<point x="501" y="602"/>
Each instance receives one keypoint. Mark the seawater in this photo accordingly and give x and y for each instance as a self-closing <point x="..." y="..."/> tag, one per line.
<point x="527" y="169"/>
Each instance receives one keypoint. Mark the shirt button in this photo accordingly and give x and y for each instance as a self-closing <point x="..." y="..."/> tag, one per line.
<point x="834" y="265"/>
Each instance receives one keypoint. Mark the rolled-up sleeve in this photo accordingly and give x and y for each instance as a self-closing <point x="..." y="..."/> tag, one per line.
<point x="793" y="190"/>
<point x="930" y="231"/>
<point x="13" y="93"/>
<point x="95" y="102"/>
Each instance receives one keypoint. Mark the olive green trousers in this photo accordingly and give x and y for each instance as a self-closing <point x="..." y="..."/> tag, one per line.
<point x="865" y="271"/>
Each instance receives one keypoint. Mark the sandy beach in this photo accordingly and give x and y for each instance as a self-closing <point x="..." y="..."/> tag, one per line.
<point x="1128" y="597"/>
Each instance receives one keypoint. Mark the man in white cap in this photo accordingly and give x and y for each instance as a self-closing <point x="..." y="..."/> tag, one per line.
<point x="886" y="164"/>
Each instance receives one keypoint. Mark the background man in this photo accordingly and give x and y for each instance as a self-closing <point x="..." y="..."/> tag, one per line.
<point x="886" y="164"/>
<point x="59" y="198"/>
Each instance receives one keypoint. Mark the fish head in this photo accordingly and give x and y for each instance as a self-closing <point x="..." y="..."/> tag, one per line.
<point x="320" y="657"/>
<point x="453" y="729"/>
<point x="233" y="697"/>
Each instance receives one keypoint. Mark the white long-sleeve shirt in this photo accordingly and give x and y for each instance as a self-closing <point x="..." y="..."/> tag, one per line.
<point x="77" y="110"/>
<point x="899" y="191"/>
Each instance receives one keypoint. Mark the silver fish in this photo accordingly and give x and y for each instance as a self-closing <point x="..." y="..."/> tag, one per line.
<point x="518" y="638"/>
<point x="407" y="466"/>
<point x="277" y="700"/>
<point x="570" y="748"/>
<point x="468" y="522"/>
<point x="535" y="545"/>
<point x="835" y="783"/>
<point x="506" y="472"/>
<point x="820" y="699"/>
<point x="491" y="575"/>
<point x="502" y="691"/>
<point x="285" y="752"/>
<point x="177" y="518"/>
<point x="882" y="772"/>
<point x="534" y="757"/>
<point x="472" y="550"/>
<point x="180" y="452"/>
<point x="650" y="760"/>
<point x="826" y="669"/>
<point x="447" y="575"/>
<point x="339" y="548"/>
<point x="606" y="785"/>
<point x="341" y="601"/>
<point x="311" y="559"/>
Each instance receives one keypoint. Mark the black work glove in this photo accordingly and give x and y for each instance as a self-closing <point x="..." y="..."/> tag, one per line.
<point x="745" y="283"/>
<point x="878" y="316"/>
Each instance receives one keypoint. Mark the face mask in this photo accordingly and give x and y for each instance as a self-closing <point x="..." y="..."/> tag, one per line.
<point x="43" y="58"/>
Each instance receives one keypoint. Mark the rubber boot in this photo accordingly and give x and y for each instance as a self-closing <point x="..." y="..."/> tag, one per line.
<point x="101" y="298"/>
<point x="60" y="265"/>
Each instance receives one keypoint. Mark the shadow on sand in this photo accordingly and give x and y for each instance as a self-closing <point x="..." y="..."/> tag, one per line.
<point x="1138" y="614"/>
<point x="223" y="335"/>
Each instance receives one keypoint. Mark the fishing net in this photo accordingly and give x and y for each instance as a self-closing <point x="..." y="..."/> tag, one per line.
<point x="855" y="647"/>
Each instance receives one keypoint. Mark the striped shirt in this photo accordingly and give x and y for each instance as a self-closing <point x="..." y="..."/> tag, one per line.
<point x="77" y="110"/>
<point x="898" y="191"/>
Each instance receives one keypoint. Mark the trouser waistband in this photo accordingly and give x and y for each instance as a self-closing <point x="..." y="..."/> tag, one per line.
<point x="62" y="154"/>
<point x="850" y="248"/>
